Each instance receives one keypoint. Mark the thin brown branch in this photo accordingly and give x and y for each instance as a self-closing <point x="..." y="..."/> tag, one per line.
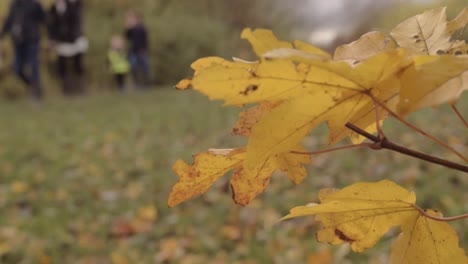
<point x="424" y="133"/>
<point x="362" y="145"/>
<point x="465" y="122"/>
<point x="377" y="119"/>
<point x="440" y="219"/>
<point x="387" y="144"/>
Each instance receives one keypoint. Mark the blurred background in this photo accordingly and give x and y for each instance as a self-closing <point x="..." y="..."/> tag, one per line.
<point x="86" y="179"/>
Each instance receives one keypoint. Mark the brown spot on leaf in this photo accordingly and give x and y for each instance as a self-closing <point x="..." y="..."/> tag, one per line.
<point x="249" y="89"/>
<point x="342" y="236"/>
<point x="252" y="72"/>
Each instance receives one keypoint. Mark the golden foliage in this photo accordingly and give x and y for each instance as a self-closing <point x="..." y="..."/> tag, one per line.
<point x="296" y="87"/>
<point x="362" y="213"/>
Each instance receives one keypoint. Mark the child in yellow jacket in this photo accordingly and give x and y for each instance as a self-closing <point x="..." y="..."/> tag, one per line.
<point x="118" y="61"/>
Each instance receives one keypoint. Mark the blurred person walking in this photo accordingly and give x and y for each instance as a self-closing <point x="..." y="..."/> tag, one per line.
<point x="138" y="52"/>
<point x="67" y="39"/>
<point x="23" y="24"/>
<point x="118" y="62"/>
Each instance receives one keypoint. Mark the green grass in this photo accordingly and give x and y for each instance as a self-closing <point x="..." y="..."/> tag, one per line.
<point x="74" y="175"/>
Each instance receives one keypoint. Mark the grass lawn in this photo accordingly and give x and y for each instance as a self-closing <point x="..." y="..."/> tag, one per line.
<point x="86" y="181"/>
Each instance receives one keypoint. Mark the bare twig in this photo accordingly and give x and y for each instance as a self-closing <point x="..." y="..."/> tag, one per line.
<point x="408" y="124"/>
<point x="465" y="122"/>
<point x="440" y="219"/>
<point x="384" y="143"/>
<point x="377" y="119"/>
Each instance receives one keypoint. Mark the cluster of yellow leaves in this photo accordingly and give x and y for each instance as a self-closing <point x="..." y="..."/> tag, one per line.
<point x="297" y="86"/>
<point x="362" y="213"/>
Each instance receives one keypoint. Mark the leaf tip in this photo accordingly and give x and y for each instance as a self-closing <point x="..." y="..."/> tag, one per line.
<point x="184" y="84"/>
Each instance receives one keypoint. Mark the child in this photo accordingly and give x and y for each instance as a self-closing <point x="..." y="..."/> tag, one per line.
<point x="137" y="38"/>
<point x="117" y="58"/>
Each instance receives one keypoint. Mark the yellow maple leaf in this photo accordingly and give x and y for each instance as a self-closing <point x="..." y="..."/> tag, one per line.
<point x="246" y="184"/>
<point x="459" y="22"/>
<point x="326" y="88"/>
<point x="430" y="32"/>
<point x="250" y="117"/>
<point x="424" y="240"/>
<point x="359" y="214"/>
<point x="263" y="40"/>
<point x="267" y="46"/>
<point x="206" y="169"/>
<point x="248" y="82"/>
<point x="433" y="80"/>
<point x="251" y="82"/>
<point x="365" y="47"/>
<point x="345" y="99"/>
<point x="362" y="213"/>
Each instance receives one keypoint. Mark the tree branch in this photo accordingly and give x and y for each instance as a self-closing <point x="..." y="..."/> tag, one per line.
<point x="440" y="219"/>
<point x="424" y="133"/>
<point x="384" y="143"/>
<point x="465" y="122"/>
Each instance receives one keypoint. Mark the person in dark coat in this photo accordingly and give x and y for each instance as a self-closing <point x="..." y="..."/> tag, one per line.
<point x="66" y="37"/>
<point x="23" y="23"/>
<point x="138" y="52"/>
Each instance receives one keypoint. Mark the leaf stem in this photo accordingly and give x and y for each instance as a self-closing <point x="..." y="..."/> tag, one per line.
<point x="424" y="133"/>
<point x="377" y="119"/>
<point x="440" y="219"/>
<point x="465" y="122"/>
<point x="332" y="149"/>
<point x="384" y="143"/>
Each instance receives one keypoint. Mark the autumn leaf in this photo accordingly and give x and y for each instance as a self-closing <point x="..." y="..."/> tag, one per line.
<point x="250" y="82"/>
<point x="311" y="90"/>
<point x="459" y="22"/>
<point x="198" y="178"/>
<point x="322" y="257"/>
<point x="424" y="240"/>
<point x="372" y="43"/>
<point x="147" y="213"/>
<point x="433" y="80"/>
<point x="263" y="40"/>
<point x="430" y="32"/>
<point x="246" y="184"/>
<point x="296" y="87"/>
<point x="339" y="93"/>
<point x="292" y="165"/>
<point x="250" y="117"/>
<point x="456" y="25"/>
<point x="362" y="213"/>
<point x="267" y="46"/>
<point x="359" y="214"/>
